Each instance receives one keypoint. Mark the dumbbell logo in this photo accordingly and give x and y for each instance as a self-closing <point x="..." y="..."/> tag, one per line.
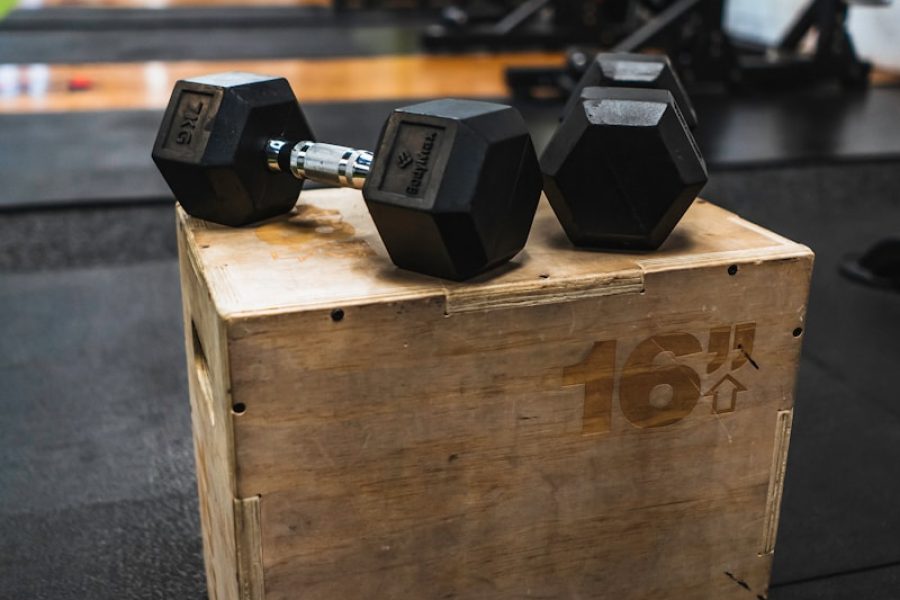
<point x="404" y="159"/>
<point x="422" y="160"/>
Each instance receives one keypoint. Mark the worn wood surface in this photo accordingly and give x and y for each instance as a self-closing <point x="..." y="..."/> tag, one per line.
<point x="327" y="254"/>
<point x="581" y="424"/>
<point x="209" y="383"/>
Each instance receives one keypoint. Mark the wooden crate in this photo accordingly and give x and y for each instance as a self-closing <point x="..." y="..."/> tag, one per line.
<point x="581" y="425"/>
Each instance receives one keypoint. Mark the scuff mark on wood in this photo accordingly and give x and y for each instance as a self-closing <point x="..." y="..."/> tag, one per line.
<point x="744" y="585"/>
<point x="748" y="357"/>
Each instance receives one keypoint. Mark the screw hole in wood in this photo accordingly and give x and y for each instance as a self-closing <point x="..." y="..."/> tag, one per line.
<point x="337" y="315"/>
<point x="238" y="408"/>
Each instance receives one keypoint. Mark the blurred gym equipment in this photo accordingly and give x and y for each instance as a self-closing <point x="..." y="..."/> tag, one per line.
<point x="691" y="32"/>
<point x="546" y="23"/>
<point x="877" y="267"/>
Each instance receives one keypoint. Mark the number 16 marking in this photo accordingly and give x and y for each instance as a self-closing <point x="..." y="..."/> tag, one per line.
<point x="640" y="376"/>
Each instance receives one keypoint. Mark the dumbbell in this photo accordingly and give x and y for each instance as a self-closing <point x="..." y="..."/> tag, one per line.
<point x="633" y="70"/>
<point x="452" y="188"/>
<point x="623" y="166"/>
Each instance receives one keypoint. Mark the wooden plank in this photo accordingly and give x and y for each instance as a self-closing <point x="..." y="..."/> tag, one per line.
<point x="268" y="268"/>
<point x="39" y="88"/>
<point x="249" y="548"/>
<point x="134" y="86"/>
<point x="884" y="77"/>
<point x="160" y="4"/>
<point x="776" y="482"/>
<point x="209" y="383"/>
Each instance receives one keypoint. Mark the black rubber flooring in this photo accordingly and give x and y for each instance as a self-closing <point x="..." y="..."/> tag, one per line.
<point x="97" y="487"/>
<point x="840" y="504"/>
<point x="113" y="35"/>
<point x="105" y="157"/>
<point x="97" y="492"/>
<point x="202" y="43"/>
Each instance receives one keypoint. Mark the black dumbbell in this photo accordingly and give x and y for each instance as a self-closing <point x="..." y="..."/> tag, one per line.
<point x="452" y="189"/>
<point x="623" y="167"/>
<point x="632" y="70"/>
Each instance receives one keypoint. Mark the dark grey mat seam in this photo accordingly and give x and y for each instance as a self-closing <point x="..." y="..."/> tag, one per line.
<point x="198" y="42"/>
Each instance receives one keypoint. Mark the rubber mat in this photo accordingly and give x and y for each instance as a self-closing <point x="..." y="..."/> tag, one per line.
<point x="97" y="487"/>
<point x="54" y="159"/>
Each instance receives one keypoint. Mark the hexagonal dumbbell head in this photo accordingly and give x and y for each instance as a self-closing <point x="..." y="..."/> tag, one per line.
<point x="633" y="70"/>
<point x="210" y="146"/>
<point x="454" y="186"/>
<point x="622" y="168"/>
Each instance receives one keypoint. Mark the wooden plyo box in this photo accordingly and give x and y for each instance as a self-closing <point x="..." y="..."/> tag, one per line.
<point x="580" y="425"/>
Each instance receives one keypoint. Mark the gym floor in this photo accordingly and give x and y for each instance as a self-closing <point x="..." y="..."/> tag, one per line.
<point x="97" y="489"/>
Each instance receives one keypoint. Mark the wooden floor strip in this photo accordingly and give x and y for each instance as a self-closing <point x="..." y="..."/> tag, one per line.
<point x="43" y="88"/>
<point x="151" y="4"/>
<point x="123" y="86"/>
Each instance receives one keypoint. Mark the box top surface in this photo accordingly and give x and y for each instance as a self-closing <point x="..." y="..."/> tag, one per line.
<point x="327" y="254"/>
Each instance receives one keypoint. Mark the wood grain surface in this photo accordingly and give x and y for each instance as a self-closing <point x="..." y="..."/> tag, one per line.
<point x="125" y="86"/>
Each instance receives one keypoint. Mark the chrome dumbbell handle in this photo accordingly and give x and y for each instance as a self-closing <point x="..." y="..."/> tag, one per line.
<point x="324" y="163"/>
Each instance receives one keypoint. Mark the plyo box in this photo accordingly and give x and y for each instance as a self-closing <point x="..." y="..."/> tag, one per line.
<point x="579" y="425"/>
